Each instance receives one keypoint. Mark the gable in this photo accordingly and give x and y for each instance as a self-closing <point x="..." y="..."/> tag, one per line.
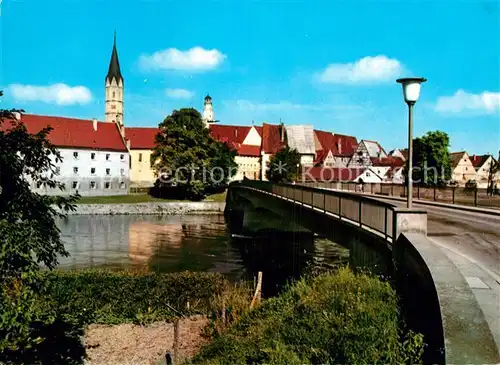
<point x="253" y="138"/>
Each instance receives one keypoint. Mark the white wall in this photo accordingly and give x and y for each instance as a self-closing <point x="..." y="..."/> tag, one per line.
<point x="114" y="183"/>
<point x="253" y="138"/>
<point x="247" y="166"/>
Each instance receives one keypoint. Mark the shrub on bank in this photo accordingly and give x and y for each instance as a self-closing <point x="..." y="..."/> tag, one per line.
<point x="330" y="319"/>
<point x="113" y="297"/>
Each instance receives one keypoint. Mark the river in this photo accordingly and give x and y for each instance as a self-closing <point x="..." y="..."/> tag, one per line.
<point x="190" y="242"/>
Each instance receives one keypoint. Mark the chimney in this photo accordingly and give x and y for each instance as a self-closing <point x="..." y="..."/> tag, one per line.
<point x="236" y="132"/>
<point x="282" y="131"/>
<point x="339" y="147"/>
<point x="17" y="115"/>
<point x="94" y="124"/>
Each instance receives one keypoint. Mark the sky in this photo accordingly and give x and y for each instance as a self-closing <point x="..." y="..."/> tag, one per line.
<point x="332" y="64"/>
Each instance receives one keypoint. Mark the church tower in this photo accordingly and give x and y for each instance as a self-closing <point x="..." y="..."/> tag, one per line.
<point x="114" y="90"/>
<point x="208" y="111"/>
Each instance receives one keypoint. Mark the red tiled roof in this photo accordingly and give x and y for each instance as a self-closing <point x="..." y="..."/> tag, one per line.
<point x="141" y="137"/>
<point x="348" y="144"/>
<point x="247" y="150"/>
<point x="76" y="133"/>
<point x="231" y="134"/>
<point x="326" y="141"/>
<point x="332" y="173"/>
<point x="259" y="130"/>
<point x="271" y="138"/>
<point x="387" y="161"/>
<point x="320" y="156"/>
<point x="478" y="161"/>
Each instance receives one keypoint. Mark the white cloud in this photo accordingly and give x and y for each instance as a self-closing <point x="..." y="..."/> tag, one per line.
<point x="179" y="93"/>
<point x="194" y="59"/>
<point x="368" y="69"/>
<point x="462" y="101"/>
<point x="60" y="94"/>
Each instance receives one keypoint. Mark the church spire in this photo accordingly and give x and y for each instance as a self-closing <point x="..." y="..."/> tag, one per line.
<point x="114" y="65"/>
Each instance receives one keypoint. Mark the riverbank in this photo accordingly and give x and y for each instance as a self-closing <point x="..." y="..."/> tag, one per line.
<point x="169" y="208"/>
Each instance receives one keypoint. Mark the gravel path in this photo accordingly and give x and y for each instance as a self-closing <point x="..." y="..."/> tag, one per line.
<point x="126" y="344"/>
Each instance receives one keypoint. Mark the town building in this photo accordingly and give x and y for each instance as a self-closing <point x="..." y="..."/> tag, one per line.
<point x="482" y="165"/>
<point x="401" y="154"/>
<point x="142" y="142"/>
<point x="208" y="116"/>
<point x="95" y="158"/>
<point x="365" y="152"/>
<point x="247" y="141"/>
<point x="273" y="140"/>
<point x="301" y="138"/>
<point x="333" y="150"/>
<point x="462" y="169"/>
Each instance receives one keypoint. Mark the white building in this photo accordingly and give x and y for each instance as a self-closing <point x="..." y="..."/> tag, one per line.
<point x="365" y="152"/>
<point x="301" y="138"/>
<point x="208" y="111"/>
<point x="95" y="158"/>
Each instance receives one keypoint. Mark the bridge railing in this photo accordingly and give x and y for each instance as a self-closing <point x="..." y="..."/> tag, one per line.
<point x="360" y="210"/>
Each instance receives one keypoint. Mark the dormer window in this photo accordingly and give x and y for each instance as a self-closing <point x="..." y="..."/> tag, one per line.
<point x="75" y="154"/>
<point x="92" y="156"/>
<point x="107" y="156"/>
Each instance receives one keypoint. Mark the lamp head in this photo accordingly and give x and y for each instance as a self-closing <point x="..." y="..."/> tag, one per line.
<point x="411" y="88"/>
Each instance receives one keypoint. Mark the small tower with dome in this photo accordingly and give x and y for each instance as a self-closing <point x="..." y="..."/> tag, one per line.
<point x="208" y="111"/>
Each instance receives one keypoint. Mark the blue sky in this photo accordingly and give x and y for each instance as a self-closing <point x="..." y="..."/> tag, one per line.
<point x="330" y="63"/>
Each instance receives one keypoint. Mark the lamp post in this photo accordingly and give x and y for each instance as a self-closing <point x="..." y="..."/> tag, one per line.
<point x="411" y="92"/>
<point x="297" y="178"/>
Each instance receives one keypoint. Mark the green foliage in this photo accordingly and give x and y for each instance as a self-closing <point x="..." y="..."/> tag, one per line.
<point x="189" y="158"/>
<point x="431" y="159"/>
<point x="29" y="238"/>
<point x="283" y="166"/>
<point x="330" y="319"/>
<point x="113" y="297"/>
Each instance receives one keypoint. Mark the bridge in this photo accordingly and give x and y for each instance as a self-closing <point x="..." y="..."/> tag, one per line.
<point x="441" y="295"/>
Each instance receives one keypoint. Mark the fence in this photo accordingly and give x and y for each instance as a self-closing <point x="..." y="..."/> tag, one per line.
<point x="365" y="212"/>
<point x="452" y="195"/>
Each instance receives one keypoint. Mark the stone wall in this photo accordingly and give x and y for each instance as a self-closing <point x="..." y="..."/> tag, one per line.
<point x="150" y="208"/>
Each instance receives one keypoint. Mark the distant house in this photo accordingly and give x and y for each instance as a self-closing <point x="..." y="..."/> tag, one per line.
<point x="301" y="138"/>
<point x="142" y="142"/>
<point x="95" y="159"/>
<point x="365" y="152"/>
<point x="402" y="154"/>
<point x="333" y="150"/>
<point x="246" y="140"/>
<point x="482" y="166"/>
<point x="273" y="140"/>
<point x="462" y="169"/>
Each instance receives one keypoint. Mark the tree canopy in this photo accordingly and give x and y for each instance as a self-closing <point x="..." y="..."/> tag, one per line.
<point x="29" y="236"/>
<point x="283" y="166"/>
<point x="188" y="158"/>
<point x="431" y="159"/>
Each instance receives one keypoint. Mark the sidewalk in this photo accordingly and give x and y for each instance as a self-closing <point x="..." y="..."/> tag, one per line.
<point x="492" y="211"/>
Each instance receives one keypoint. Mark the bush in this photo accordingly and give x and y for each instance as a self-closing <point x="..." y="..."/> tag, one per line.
<point x="112" y="297"/>
<point x="330" y="319"/>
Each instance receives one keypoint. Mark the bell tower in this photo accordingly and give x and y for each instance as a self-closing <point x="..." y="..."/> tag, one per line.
<point x="114" y="87"/>
<point x="208" y="111"/>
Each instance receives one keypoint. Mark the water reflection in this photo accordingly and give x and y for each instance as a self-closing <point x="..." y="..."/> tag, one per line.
<point x="198" y="243"/>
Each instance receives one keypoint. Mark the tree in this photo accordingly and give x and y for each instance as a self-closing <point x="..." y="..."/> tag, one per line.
<point x="283" y="166"/>
<point x="431" y="159"/>
<point x="492" y="174"/>
<point x="29" y="236"/>
<point x="188" y="158"/>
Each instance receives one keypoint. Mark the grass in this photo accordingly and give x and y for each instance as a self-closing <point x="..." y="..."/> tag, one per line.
<point x="140" y="198"/>
<point x="339" y="318"/>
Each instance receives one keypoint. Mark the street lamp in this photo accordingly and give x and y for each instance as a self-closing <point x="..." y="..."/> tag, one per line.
<point x="411" y="92"/>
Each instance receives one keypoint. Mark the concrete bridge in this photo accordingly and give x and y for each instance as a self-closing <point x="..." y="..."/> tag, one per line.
<point x="459" y="325"/>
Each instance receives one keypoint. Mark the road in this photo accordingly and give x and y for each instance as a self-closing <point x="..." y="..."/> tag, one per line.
<point x="474" y="236"/>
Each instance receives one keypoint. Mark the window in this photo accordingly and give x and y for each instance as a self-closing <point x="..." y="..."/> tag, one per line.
<point x="140" y="157"/>
<point x="114" y="94"/>
<point x="93" y="185"/>
<point x="122" y="157"/>
<point x="75" y="154"/>
<point x="92" y="170"/>
<point x="107" y="185"/>
<point x="92" y="156"/>
<point x="107" y="156"/>
<point x="38" y="184"/>
<point x="75" y="170"/>
<point x="108" y="171"/>
<point x="75" y="185"/>
<point x="122" y="185"/>
<point x="367" y="174"/>
<point x="122" y="172"/>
